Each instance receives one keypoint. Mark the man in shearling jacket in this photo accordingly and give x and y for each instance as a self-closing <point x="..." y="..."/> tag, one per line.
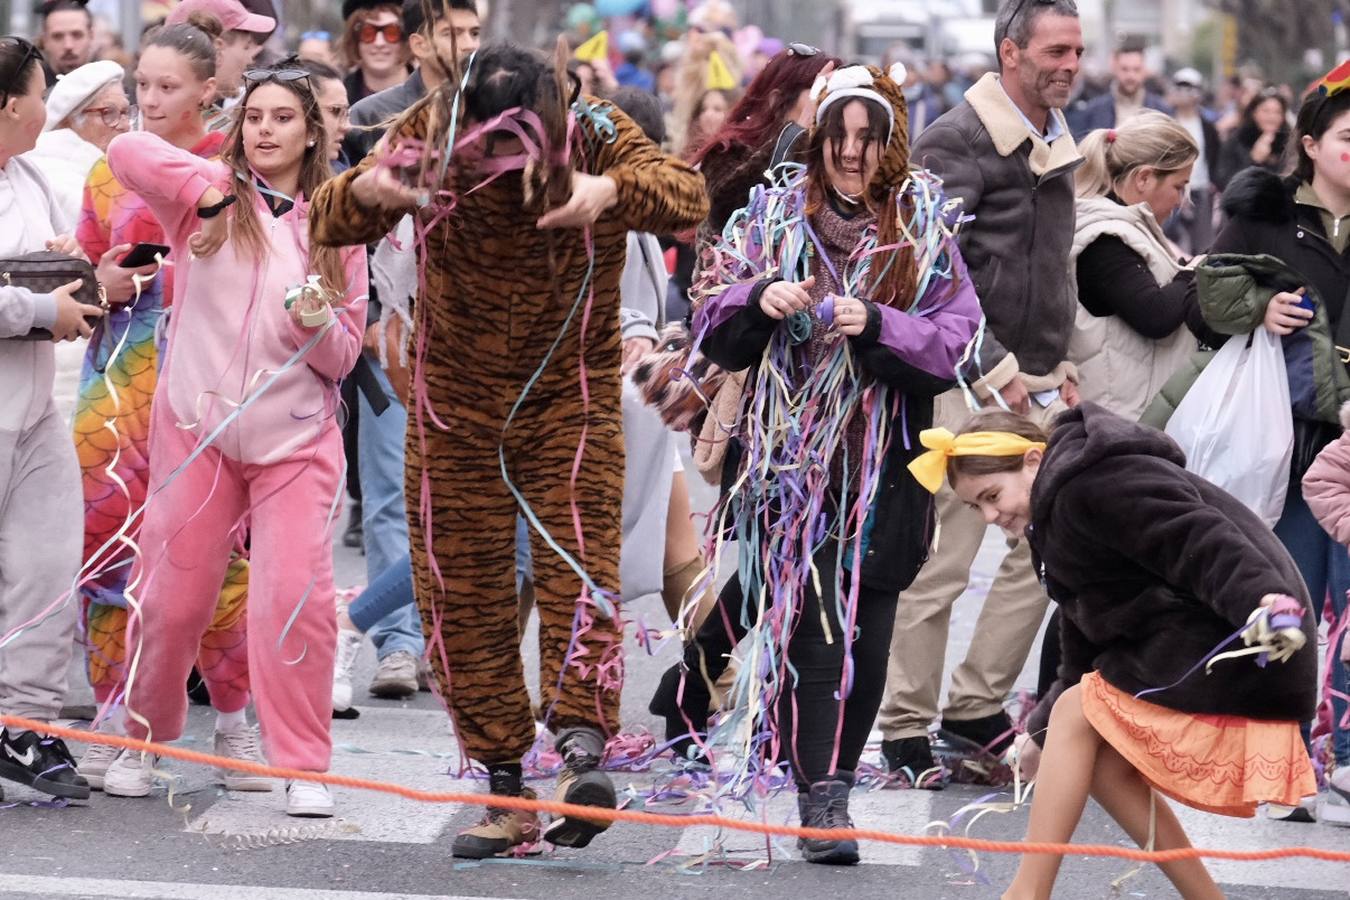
<point x="1006" y="152"/>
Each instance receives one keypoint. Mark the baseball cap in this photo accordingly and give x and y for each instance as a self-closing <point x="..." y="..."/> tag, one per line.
<point x="1188" y="77"/>
<point x="230" y="13"/>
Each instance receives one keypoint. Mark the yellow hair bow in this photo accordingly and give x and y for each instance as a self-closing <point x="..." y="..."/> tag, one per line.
<point x="931" y="468"/>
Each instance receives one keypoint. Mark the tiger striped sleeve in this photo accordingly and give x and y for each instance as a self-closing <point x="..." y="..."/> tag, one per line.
<point x="338" y="219"/>
<point x="658" y="192"/>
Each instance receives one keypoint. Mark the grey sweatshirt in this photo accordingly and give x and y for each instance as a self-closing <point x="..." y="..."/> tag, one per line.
<point x="642" y="288"/>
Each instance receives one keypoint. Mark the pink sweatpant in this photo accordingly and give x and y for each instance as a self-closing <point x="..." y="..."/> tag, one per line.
<point x="186" y="541"/>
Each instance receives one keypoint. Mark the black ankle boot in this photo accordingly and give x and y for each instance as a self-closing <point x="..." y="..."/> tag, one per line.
<point x="581" y="782"/>
<point x="825" y="805"/>
<point x="666" y="704"/>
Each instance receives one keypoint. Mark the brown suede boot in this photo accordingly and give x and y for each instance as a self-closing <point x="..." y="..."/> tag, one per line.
<point x="581" y="782"/>
<point x="497" y="832"/>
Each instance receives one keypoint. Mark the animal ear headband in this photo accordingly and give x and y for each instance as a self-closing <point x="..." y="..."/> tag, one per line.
<point x="855" y="81"/>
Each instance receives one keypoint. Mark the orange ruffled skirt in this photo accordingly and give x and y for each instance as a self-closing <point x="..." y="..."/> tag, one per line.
<point x="1220" y="764"/>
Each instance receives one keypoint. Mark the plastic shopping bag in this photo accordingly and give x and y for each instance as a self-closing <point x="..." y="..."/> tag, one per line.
<point x="1235" y="423"/>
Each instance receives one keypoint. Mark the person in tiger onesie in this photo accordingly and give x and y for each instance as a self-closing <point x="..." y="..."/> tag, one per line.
<point x="517" y="374"/>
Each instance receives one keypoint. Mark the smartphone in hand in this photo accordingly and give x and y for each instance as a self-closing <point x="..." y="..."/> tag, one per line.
<point x="143" y="255"/>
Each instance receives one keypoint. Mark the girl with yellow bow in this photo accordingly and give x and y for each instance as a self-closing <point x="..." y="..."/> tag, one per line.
<point x="1155" y="571"/>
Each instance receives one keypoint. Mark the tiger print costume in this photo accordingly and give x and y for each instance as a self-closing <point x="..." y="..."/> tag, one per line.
<point x="497" y="294"/>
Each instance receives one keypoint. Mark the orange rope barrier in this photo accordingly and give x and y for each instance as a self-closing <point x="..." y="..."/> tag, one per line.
<point x="675" y="821"/>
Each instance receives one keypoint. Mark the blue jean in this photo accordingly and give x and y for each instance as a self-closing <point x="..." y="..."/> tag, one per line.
<point x="390" y="593"/>
<point x="524" y="557"/>
<point x="384" y="521"/>
<point x="1325" y="566"/>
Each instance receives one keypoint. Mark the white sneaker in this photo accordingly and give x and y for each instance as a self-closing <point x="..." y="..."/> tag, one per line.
<point x="307" y="800"/>
<point x="348" y="646"/>
<point x="242" y="744"/>
<point x="1334" y="806"/>
<point x="95" y="762"/>
<point x="129" y="774"/>
<point x="1305" y="812"/>
<point x="396" y="677"/>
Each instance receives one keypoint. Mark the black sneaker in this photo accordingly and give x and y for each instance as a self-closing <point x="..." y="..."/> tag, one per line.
<point x="43" y="764"/>
<point x="912" y="757"/>
<point x="992" y="734"/>
<point x="353" y="536"/>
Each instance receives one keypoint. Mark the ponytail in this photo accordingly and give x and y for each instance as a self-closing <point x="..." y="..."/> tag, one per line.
<point x="1148" y="139"/>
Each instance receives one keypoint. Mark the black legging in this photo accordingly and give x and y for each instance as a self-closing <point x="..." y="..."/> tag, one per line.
<point x="1050" y="656"/>
<point x="819" y="666"/>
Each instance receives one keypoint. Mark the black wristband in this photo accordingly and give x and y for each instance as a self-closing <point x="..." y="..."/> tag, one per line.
<point x="210" y="212"/>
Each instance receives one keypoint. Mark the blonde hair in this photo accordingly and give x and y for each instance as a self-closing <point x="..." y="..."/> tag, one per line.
<point x="1147" y="140"/>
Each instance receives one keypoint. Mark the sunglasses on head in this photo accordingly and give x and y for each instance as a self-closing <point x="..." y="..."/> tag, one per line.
<point x="278" y="76"/>
<point x="1017" y="11"/>
<point x="30" y="52"/>
<point x="393" y="33"/>
<point x="799" y="49"/>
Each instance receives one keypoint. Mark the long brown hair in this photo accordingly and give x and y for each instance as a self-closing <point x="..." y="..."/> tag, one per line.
<point x="899" y="283"/>
<point x="326" y="262"/>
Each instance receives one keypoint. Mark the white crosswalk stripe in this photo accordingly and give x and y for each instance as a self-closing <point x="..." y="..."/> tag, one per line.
<point x="901" y="812"/>
<point x="1262" y="833"/>
<point x="45" y="886"/>
<point x="364" y="815"/>
<point x="384" y="732"/>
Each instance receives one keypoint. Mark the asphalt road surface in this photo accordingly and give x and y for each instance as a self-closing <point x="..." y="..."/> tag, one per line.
<point x="203" y="845"/>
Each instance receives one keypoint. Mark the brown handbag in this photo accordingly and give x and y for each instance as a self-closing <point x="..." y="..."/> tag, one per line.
<point x="44" y="272"/>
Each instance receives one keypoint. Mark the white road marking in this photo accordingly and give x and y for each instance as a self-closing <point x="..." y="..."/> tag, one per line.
<point x="1260" y="833"/>
<point x="900" y="812"/>
<point x="177" y="890"/>
<point x="364" y="815"/>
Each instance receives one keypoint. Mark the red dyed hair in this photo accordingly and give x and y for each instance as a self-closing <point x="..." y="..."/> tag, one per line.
<point x="764" y="108"/>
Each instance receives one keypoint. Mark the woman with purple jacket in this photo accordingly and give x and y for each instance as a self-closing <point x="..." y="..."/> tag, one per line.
<point x="841" y="288"/>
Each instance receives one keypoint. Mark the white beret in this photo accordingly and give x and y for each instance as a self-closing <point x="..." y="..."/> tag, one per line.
<point x="73" y="90"/>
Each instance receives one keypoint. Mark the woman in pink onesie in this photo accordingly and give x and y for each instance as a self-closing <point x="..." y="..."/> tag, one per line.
<point x="243" y="433"/>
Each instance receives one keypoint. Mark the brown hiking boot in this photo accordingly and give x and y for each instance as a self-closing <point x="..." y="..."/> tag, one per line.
<point x="497" y="832"/>
<point x="581" y="782"/>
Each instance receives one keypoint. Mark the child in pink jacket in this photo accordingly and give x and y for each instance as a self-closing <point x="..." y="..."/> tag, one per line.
<point x="1326" y="487"/>
<point x="243" y="434"/>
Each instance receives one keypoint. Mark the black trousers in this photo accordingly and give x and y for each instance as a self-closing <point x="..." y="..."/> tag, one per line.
<point x="807" y="710"/>
<point x="351" y="410"/>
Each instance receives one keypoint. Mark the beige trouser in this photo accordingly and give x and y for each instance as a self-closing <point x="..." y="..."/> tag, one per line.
<point x="1006" y="628"/>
